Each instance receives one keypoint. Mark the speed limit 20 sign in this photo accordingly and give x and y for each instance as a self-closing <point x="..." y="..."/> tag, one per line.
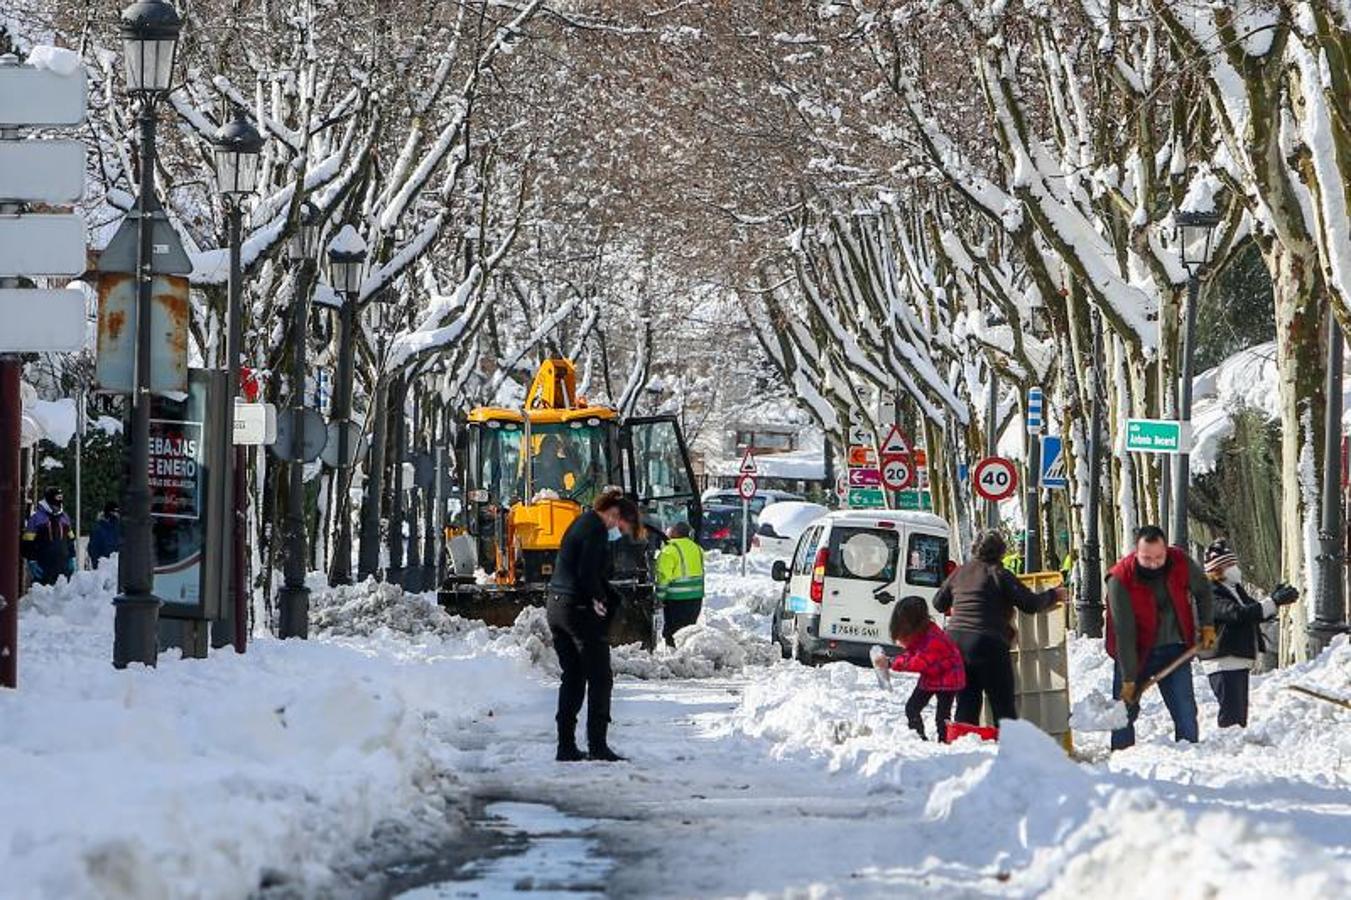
<point x="897" y="475"/>
<point x="994" y="478"/>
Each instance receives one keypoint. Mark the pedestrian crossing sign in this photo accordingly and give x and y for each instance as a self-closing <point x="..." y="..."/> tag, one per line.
<point x="1053" y="473"/>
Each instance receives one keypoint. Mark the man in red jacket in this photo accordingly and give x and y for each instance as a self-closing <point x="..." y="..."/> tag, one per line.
<point x="1150" y="623"/>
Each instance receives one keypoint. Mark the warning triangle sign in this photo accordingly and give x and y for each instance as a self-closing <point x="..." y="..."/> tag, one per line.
<point x="747" y="464"/>
<point x="895" y="443"/>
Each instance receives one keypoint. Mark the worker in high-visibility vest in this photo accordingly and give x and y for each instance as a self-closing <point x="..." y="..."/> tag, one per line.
<point x="680" y="581"/>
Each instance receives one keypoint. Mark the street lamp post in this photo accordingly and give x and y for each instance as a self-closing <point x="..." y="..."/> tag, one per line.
<point x="1329" y="601"/>
<point x="293" y="601"/>
<point x="1089" y="606"/>
<point x="237" y="146"/>
<point x="346" y="259"/>
<point x="1196" y="233"/>
<point x="149" y="31"/>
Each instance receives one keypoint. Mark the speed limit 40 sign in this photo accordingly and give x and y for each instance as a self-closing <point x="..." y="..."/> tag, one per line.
<point x="994" y="478"/>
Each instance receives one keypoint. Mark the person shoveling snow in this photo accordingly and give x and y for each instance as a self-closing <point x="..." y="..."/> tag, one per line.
<point x="1151" y="626"/>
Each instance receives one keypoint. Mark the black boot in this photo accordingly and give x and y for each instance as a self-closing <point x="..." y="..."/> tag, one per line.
<point x="598" y="748"/>
<point x="568" y="751"/>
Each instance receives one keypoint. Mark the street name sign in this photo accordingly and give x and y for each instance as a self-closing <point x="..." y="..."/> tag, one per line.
<point x="42" y="171"/>
<point x="866" y="498"/>
<point x="914" y="501"/>
<point x="864" y="478"/>
<point x="32" y="96"/>
<point x="41" y="321"/>
<point x="1157" y="436"/>
<point x="42" y="245"/>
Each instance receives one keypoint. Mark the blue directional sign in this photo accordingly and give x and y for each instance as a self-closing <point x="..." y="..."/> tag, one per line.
<point x="1053" y="473"/>
<point x="1035" y="403"/>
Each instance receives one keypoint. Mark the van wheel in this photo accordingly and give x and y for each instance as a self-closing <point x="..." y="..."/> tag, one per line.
<point x="799" y="652"/>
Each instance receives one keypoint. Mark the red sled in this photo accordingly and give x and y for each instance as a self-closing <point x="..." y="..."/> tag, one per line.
<point x="959" y="729"/>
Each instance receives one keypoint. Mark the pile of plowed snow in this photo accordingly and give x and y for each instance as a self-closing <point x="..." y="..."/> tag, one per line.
<point x="729" y="638"/>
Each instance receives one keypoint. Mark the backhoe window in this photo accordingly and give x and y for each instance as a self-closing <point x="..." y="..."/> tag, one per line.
<point x="500" y="462"/>
<point x="569" y="459"/>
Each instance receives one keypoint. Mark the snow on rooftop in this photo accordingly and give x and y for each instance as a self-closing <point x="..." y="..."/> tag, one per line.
<point x="796" y="465"/>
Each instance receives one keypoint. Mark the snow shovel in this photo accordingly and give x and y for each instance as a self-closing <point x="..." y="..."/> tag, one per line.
<point x="1160" y="675"/>
<point x="1339" y="701"/>
<point x="1110" y="721"/>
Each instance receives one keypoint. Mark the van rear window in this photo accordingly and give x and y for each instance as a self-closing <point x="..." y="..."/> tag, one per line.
<point x="926" y="560"/>
<point x="866" y="554"/>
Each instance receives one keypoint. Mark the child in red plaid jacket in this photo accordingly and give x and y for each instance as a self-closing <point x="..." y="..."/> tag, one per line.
<point x="929" y="652"/>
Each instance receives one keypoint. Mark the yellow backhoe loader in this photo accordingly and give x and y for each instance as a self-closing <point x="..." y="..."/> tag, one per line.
<point x="527" y="473"/>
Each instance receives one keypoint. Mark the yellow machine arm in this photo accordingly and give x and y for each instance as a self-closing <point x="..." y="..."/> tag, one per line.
<point x="554" y="386"/>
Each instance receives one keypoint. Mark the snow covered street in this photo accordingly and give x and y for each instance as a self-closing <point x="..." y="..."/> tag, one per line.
<point x="324" y="768"/>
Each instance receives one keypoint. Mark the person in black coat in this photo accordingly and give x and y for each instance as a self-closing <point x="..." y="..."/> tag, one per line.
<point x="1238" y="619"/>
<point x="979" y="599"/>
<point x="580" y="607"/>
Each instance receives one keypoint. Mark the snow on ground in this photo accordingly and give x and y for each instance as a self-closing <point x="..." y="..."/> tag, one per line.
<point x="309" y="766"/>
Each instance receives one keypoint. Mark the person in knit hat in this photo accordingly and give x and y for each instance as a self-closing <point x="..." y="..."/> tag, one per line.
<point x="1238" y="619"/>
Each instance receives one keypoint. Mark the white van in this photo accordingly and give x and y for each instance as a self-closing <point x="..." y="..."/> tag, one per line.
<point x="847" y="573"/>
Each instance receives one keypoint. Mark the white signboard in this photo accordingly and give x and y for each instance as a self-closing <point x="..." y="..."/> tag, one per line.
<point x="42" y="171"/>
<point x="255" y="424"/>
<point x="41" y="321"/>
<point x="30" y="96"/>
<point x="42" y="245"/>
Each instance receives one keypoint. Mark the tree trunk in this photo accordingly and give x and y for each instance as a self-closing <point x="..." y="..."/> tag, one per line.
<point x="1301" y="364"/>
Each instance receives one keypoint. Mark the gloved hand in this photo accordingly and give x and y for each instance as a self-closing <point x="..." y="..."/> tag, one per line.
<point x="598" y="607"/>
<point x="1283" y="594"/>
<point x="1128" y="696"/>
<point x="35" y="571"/>
<point x="1207" y="637"/>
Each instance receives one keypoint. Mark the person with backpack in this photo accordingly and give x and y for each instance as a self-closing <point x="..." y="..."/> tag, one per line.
<point x="679" y="581"/>
<point x="928" y="652"/>
<point x="1238" y="640"/>
<point x="48" y="542"/>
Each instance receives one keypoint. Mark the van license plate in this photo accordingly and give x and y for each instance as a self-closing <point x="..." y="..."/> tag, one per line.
<point x="863" y="631"/>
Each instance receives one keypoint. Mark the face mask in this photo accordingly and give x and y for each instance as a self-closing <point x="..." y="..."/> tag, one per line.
<point x="614" y="533"/>
<point x="1152" y="574"/>
<point x="1233" y="575"/>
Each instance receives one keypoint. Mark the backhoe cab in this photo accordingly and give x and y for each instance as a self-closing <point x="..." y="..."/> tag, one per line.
<point x="527" y="474"/>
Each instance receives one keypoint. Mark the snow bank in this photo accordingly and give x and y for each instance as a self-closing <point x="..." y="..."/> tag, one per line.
<point x="1242" y="814"/>
<point x="293" y="765"/>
